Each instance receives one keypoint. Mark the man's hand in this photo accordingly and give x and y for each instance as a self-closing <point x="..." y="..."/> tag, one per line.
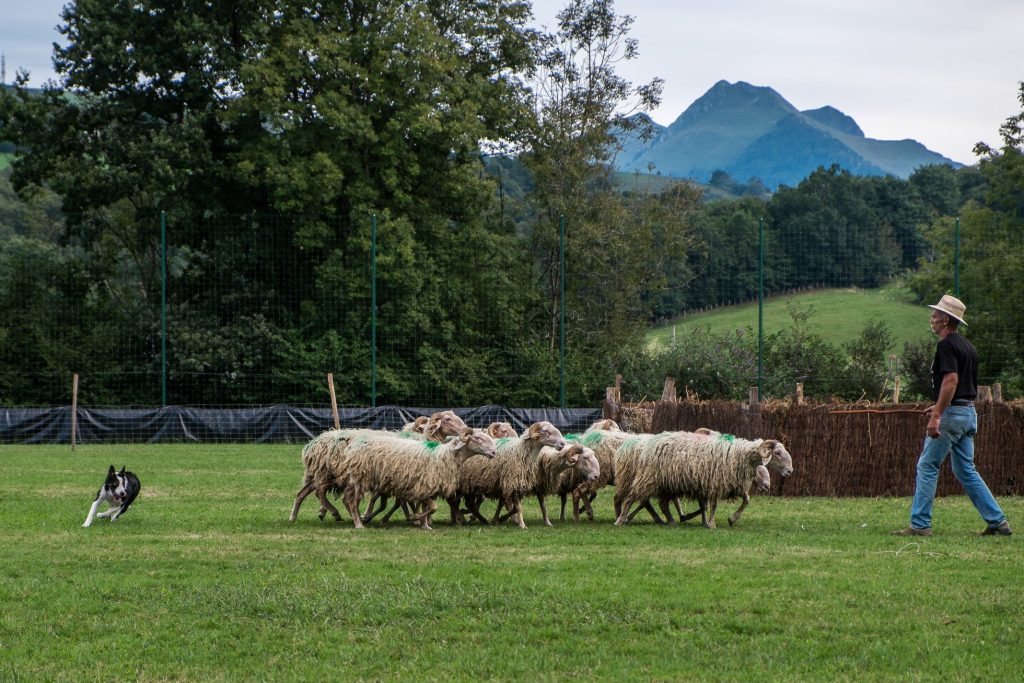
<point x="933" y="421"/>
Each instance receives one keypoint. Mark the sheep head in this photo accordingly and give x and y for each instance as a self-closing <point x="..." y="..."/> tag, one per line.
<point x="443" y="423"/>
<point x="583" y="460"/>
<point x="762" y="480"/>
<point x="418" y="424"/>
<point x="475" y="441"/>
<point x="605" y="425"/>
<point x="544" y="434"/>
<point x="781" y="461"/>
<point x="500" y="430"/>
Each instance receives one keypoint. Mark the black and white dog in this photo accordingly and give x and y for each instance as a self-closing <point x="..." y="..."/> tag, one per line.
<point x="119" y="490"/>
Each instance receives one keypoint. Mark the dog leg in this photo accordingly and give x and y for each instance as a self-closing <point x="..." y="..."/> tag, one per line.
<point x="117" y="512"/>
<point x="92" y="512"/>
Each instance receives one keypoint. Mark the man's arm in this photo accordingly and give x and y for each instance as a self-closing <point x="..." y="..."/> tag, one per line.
<point x="946" y="391"/>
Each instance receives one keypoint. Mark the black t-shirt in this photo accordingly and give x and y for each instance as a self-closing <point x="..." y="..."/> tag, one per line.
<point x="956" y="354"/>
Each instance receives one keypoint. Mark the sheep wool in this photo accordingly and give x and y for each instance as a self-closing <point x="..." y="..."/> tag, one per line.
<point x="674" y="464"/>
<point x="512" y="474"/>
<point x="416" y="472"/>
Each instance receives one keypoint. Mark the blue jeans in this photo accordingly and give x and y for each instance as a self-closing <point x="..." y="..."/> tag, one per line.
<point x="957" y="428"/>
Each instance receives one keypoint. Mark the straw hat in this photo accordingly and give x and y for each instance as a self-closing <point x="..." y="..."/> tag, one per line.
<point x="952" y="307"/>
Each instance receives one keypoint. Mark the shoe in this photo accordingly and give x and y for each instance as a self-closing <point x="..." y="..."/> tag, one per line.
<point x="912" y="531"/>
<point x="1001" y="529"/>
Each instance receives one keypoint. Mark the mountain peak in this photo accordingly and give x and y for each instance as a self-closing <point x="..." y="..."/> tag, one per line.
<point x="748" y="130"/>
<point x="737" y="101"/>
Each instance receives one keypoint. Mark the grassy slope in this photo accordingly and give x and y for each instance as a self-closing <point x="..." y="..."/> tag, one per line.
<point x="204" y="579"/>
<point x="839" y="316"/>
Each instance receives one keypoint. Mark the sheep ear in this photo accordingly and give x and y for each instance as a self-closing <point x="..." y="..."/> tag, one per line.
<point x="766" y="449"/>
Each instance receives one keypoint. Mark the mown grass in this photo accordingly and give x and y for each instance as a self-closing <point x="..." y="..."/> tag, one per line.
<point x="204" y="579"/>
<point x="838" y="315"/>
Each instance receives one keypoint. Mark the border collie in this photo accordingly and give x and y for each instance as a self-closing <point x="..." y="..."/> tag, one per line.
<point x="119" y="491"/>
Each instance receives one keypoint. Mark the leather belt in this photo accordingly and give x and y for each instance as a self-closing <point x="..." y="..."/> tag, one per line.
<point x="962" y="403"/>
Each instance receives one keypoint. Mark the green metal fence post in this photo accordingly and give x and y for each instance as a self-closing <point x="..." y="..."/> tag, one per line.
<point x="163" y="308"/>
<point x="373" y="310"/>
<point x="561" y="311"/>
<point x="760" y="309"/>
<point x="956" y="260"/>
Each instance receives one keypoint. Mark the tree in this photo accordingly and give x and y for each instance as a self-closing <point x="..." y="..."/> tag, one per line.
<point x="227" y="115"/>
<point x="618" y="247"/>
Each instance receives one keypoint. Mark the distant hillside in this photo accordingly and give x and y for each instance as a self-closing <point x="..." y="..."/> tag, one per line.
<point x="751" y="131"/>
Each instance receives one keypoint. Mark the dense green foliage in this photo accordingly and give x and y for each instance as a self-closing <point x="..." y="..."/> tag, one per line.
<point x="204" y="579"/>
<point x="278" y="145"/>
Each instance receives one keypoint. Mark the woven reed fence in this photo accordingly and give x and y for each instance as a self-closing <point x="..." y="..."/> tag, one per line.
<point x="853" y="454"/>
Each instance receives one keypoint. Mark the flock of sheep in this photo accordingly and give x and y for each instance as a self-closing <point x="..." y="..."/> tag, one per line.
<point x="440" y="457"/>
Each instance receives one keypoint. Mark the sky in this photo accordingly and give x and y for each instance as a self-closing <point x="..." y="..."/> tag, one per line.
<point x="943" y="72"/>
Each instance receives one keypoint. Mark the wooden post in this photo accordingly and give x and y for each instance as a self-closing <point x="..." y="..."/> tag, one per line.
<point x="896" y="389"/>
<point x="753" y="397"/>
<point x="799" y="393"/>
<point x="668" y="392"/>
<point x="334" y="400"/>
<point x="74" y="408"/>
<point x="618" y="388"/>
<point x="997" y="393"/>
<point x="984" y="394"/>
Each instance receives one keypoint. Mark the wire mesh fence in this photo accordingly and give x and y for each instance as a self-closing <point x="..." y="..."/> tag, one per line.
<point x="258" y="311"/>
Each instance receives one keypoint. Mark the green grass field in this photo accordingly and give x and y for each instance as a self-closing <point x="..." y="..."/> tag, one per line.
<point x="839" y="315"/>
<point x="205" y="580"/>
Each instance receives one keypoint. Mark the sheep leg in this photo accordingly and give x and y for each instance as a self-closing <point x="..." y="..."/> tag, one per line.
<point x="519" y="513"/>
<point x="352" y="498"/>
<point x="510" y="505"/>
<point x="665" y="503"/>
<point x="650" y="510"/>
<point x="307" y="489"/>
<point x="576" y="496"/>
<point x="709" y="517"/>
<point x="544" y="510"/>
<point x="326" y="505"/>
<point x="454" y="504"/>
<point x="563" y="497"/>
<point x="497" y="514"/>
<point x="690" y="515"/>
<point x="736" y="515"/>
<point x="587" y="504"/>
<point x="397" y="504"/>
<point x="428" y="513"/>
<point x="370" y="512"/>
<point x="474" y="502"/>
<point x="374" y="499"/>
<point x="623" y="516"/>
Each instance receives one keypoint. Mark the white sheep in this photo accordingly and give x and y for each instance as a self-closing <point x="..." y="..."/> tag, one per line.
<point x="781" y="463"/>
<point x="323" y="458"/>
<point x="604" y="442"/>
<point x="683" y="464"/>
<point x="512" y="474"/>
<point x="552" y="465"/>
<point x="416" y="472"/>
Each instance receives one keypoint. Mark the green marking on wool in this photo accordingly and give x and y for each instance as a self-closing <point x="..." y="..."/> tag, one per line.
<point x="726" y="437"/>
<point x="593" y="438"/>
<point x="503" y="440"/>
<point x="631" y="441"/>
<point x="572" y="437"/>
<point x="430" y="445"/>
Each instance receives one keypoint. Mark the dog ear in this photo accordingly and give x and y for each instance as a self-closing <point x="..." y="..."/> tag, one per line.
<point x="111" y="471"/>
<point x="122" y="470"/>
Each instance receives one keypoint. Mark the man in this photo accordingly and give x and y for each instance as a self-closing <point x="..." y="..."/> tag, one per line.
<point x="952" y="423"/>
